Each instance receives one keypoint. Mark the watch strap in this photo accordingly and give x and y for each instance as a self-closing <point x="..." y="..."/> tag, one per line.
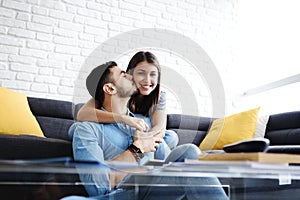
<point x="137" y="153"/>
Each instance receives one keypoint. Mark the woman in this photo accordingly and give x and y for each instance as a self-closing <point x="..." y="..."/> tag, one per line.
<point x="149" y="101"/>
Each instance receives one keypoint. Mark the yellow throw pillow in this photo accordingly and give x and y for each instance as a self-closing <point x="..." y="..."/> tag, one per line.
<point x="230" y="129"/>
<point x="15" y="115"/>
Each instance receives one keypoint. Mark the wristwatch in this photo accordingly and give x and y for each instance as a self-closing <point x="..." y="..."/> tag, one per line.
<point x="137" y="152"/>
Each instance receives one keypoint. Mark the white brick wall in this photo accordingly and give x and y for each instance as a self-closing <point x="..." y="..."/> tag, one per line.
<point x="43" y="44"/>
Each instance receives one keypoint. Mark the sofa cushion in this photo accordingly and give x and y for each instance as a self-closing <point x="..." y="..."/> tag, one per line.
<point x="230" y="129"/>
<point x="33" y="147"/>
<point x="55" y="127"/>
<point x="284" y="128"/>
<point x="288" y="120"/>
<point x="188" y="122"/>
<point x="15" y="115"/>
<point x="54" y="116"/>
<point x="190" y="136"/>
<point x="51" y="108"/>
<point x="284" y="137"/>
<point x="189" y="128"/>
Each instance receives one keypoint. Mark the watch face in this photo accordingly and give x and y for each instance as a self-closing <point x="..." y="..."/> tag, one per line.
<point x="136" y="149"/>
<point x="141" y="155"/>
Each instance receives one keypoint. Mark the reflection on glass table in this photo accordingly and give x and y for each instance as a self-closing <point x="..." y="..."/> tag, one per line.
<point x="54" y="179"/>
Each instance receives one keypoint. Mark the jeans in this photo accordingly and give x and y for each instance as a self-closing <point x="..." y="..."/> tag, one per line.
<point x="100" y="142"/>
<point x="170" y="141"/>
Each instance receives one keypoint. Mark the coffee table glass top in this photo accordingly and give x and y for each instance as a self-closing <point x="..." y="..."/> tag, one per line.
<point x="236" y="169"/>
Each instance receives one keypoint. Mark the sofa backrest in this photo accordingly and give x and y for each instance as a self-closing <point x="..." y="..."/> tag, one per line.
<point x="54" y="116"/>
<point x="190" y="129"/>
<point x="284" y="128"/>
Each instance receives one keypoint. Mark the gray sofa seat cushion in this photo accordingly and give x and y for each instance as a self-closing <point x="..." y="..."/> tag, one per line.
<point x="33" y="147"/>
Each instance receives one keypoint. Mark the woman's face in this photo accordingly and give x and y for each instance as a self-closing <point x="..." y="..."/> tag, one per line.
<point x="145" y="76"/>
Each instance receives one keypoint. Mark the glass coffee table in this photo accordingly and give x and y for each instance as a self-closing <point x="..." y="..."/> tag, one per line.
<point x="57" y="178"/>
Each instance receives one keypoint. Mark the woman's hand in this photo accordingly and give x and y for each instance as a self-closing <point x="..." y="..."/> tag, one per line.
<point x="134" y="122"/>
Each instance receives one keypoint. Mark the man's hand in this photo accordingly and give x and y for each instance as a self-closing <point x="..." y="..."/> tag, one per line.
<point x="146" y="142"/>
<point x="134" y="122"/>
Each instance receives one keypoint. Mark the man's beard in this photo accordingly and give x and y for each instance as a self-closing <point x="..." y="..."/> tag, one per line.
<point x="123" y="93"/>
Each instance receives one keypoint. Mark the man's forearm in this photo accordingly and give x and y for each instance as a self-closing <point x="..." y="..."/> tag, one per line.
<point x="126" y="156"/>
<point x="142" y="141"/>
<point x="117" y="177"/>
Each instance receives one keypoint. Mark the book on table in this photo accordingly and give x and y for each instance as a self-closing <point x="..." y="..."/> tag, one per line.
<point x="257" y="157"/>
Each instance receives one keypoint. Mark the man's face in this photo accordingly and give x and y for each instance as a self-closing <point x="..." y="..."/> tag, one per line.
<point x="123" y="82"/>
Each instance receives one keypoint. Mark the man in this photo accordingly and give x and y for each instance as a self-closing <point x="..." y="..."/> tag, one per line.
<point x="118" y="142"/>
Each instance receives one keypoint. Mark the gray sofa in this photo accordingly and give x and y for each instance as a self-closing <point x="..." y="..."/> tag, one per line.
<point x="55" y="117"/>
<point x="283" y="130"/>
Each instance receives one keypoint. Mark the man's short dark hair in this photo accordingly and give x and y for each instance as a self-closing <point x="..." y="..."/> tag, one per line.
<point x="97" y="78"/>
